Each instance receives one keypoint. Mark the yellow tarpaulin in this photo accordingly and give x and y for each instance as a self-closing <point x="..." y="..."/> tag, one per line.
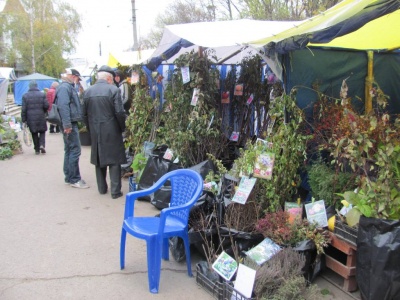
<point x="128" y="58"/>
<point x="378" y="34"/>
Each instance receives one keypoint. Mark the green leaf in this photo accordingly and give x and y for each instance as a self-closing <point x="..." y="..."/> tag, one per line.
<point x="365" y="210"/>
<point x="381" y="207"/>
<point x="353" y="217"/>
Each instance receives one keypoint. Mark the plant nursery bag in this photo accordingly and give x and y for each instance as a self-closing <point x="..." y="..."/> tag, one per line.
<point x="241" y="240"/>
<point x="162" y="197"/>
<point x="378" y="257"/>
<point x="155" y="168"/>
<point x="204" y="168"/>
<point x="313" y="263"/>
<point x="177" y="248"/>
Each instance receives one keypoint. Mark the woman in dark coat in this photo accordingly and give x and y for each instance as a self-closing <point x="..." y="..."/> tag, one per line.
<point x="34" y="108"/>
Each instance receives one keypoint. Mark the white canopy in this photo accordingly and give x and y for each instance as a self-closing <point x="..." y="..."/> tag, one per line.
<point x="8" y="73"/>
<point x="226" y="38"/>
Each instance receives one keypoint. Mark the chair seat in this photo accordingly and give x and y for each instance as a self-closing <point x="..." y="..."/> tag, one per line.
<point x="145" y="227"/>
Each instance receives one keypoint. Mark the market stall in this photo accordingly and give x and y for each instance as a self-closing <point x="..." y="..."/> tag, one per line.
<point x="22" y="85"/>
<point x="283" y="162"/>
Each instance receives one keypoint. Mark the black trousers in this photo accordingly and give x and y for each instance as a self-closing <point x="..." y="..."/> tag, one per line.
<point x="54" y="128"/>
<point x="39" y="139"/>
<point x="115" y="179"/>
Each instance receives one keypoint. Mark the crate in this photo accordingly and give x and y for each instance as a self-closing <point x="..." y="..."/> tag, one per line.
<point x="345" y="232"/>
<point x="215" y="289"/>
<point x="341" y="258"/>
<point x="219" y="290"/>
<point x="231" y="294"/>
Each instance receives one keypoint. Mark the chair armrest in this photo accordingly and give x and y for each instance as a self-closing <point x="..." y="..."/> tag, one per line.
<point x="168" y="211"/>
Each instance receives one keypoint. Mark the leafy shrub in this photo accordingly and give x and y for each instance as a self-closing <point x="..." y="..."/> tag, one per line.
<point x="284" y="265"/>
<point x="143" y="119"/>
<point x="277" y="227"/>
<point x="296" y="288"/>
<point x="192" y="132"/>
<point x="288" y="144"/>
<point x="5" y="152"/>
<point x="326" y="182"/>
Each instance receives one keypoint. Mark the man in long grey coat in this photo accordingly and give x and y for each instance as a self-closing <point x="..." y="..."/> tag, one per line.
<point x="104" y="116"/>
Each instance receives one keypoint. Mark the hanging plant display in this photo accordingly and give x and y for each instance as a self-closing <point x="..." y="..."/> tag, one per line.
<point x="191" y="125"/>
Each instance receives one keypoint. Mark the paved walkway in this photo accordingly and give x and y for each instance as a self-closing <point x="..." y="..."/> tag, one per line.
<point x="57" y="242"/>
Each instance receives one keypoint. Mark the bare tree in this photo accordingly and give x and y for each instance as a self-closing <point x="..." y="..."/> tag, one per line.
<point x="285" y="9"/>
<point x="189" y="11"/>
<point x="40" y="33"/>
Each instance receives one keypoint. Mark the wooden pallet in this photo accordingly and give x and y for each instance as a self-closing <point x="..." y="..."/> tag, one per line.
<point x="346" y="270"/>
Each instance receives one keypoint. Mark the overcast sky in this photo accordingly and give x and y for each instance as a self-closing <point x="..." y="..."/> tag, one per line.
<point x="109" y="22"/>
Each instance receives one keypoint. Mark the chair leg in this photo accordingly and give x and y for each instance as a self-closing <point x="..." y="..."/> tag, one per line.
<point x="153" y="265"/>
<point x="122" y="249"/>
<point x="165" y="249"/>
<point x="187" y="252"/>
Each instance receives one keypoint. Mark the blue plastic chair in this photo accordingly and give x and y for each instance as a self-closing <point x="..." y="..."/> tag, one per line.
<point x="186" y="188"/>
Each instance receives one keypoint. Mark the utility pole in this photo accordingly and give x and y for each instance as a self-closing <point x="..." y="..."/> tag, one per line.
<point x="32" y="42"/>
<point x="135" y="42"/>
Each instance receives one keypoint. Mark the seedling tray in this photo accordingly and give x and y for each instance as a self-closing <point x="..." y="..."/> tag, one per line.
<point x="215" y="289"/>
<point x="346" y="233"/>
<point x="231" y="294"/>
<point x="219" y="290"/>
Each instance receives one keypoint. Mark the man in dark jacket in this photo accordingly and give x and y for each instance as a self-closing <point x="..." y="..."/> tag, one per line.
<point x="33" y="112"/>
<point x="69" y="107"/>
<point x="105" y="119"/>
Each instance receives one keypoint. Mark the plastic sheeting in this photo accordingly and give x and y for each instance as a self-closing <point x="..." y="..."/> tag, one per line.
<point x="3" y="93"/>
<point x="8" y="73"/>
<point x="378" y="257"/>
<point x="330" y="67"/>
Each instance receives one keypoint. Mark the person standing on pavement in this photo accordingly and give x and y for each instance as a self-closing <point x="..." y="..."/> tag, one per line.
<point x="33" y="112"/>
<point x="117" y="77"/>
<point x="126" y="93"/>
<point x="51" y="94"/>
<point x="104" y="117"/>
<point x="70" y="111"/>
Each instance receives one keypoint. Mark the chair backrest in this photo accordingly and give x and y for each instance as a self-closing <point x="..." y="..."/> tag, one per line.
<point x="186" y="188"/>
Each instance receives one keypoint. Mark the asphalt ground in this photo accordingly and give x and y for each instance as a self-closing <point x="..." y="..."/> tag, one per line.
<point x="59" y="242"/>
